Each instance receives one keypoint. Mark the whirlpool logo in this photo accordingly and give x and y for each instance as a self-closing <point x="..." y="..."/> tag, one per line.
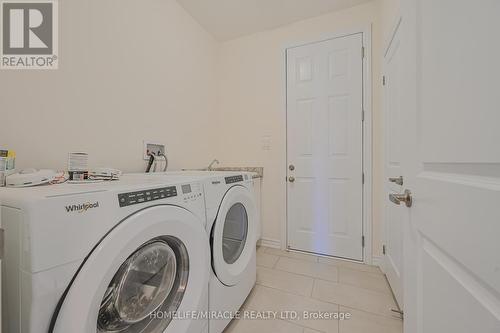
<point x="81" y="208"/>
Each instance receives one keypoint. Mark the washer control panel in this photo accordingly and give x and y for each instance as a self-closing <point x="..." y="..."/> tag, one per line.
<point x="234" y="179"/>
<point x="191" y="192"/>
<point x="138" y="197"/>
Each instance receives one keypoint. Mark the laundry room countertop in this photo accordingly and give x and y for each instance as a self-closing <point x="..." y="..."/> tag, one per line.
<point x="259" y="171"/>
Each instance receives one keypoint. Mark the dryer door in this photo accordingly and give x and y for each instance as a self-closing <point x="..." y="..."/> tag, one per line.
<point x="233" y="235"/>
<point x="149" y="266"/>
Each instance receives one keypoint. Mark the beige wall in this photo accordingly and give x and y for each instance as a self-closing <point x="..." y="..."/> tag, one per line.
<point x="251" y="104"/>
<point x="390" y="15"/>
<point x="129" y="70"/>
<point x="132" y="70"/>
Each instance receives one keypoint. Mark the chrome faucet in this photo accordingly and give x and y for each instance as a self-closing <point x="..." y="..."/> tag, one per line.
<point x="210" y="166"/>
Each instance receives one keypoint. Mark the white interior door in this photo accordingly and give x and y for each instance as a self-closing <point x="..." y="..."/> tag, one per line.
<point x="394" y="216"/>
<point x="325" y="147"/>
<point x="451" y="93"/>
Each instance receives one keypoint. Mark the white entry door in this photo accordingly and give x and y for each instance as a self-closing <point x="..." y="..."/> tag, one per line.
<point x="325" y="147"/>
<point x="394" y="129"/>
<point x="452" y="153"/>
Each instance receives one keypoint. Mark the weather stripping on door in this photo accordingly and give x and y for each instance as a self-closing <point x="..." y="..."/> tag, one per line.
<point x="398" y="198"/>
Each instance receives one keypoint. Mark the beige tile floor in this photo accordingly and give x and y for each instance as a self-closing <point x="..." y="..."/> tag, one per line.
<point x="296" y="282"/>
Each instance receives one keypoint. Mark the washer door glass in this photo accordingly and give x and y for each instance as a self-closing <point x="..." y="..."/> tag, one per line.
<point x="235" y="233"/>
<point x="152" y="279"/>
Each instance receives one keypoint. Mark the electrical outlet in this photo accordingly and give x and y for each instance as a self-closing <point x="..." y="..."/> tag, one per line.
<point x="152" y="148"/>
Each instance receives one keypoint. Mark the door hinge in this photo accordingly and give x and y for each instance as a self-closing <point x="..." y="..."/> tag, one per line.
<point x="383" y="249"/>
<point x="362" y="52"/>
<point x="363" y="241"/>
<point x="401" y="313"/>
<point x="363" y="178"/>
<point x="383" y="80"/>
<point x="362" y="115"/>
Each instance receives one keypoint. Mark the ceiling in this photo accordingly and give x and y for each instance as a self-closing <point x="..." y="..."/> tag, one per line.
<point x="228" y="19"/>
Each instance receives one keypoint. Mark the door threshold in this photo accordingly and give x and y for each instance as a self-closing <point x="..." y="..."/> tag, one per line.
<point x="325" y="256"/>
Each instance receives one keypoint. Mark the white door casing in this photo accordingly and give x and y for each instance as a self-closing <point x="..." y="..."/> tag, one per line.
<point x="325" y="147"/>
<point x="394" y="216"/>
<point x="231" y="273"/>
<point x="450" y="88"/>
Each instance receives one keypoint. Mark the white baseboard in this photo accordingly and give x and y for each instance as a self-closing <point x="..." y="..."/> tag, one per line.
<point x="377" y="261"/>
<point x="268" y="242"/>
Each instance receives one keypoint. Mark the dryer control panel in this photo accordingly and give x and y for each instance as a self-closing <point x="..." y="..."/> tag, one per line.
<point x="138" y="197"/>
<point x="233" y="179"/>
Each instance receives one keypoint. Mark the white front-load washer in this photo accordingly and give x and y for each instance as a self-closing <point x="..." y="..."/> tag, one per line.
<point x="123" y="256"/>
<point x="233" y="225"/>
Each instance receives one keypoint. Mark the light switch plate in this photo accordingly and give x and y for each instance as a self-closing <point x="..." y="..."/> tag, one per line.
<point x="266" y="142"/>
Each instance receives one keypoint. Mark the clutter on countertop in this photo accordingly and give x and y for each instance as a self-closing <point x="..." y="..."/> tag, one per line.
<point x="78" y="166"/>
<point x="7" y="164"/>
<point x="78" y="172"/>
<point x="104" y="174"/>
<point x="33" y="177"/>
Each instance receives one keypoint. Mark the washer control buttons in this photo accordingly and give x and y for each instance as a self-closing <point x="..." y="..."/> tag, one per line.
<point x="137" y="197"/>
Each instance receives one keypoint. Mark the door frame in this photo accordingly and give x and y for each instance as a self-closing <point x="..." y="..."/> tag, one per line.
<point x="387" y="45"/>
<point x="366" y="32"/>
<point x="382" y="262"/>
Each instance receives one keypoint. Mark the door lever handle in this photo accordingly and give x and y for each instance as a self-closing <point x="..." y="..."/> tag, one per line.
<point x="399" y="198"/>
<point x="397" y="180"/>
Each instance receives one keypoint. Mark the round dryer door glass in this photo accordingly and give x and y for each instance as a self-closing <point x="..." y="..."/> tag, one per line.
<point x="235" y="233"/>
<point x="151" y="279"/>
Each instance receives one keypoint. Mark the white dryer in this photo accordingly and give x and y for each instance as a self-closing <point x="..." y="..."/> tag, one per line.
<point x="233" y="226"/>
<point x="107" y="257"/>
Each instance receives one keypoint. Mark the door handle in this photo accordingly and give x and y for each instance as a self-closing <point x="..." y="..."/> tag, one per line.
<point x="291" y="179"/>
<point x="397" y="180"/>
<point x="399" y="198"/>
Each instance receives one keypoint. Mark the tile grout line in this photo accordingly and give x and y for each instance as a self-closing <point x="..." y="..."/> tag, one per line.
<point x="276" y="263"/>
<point x="289" y="292"/>
<point x="339" y="306"/>
<point x="304" y="275"/>
<point x="293" y="294"/>
<point x="340" y="265"/>
<point x="301" y="326"/>
<point x="350" y="306"/>
<point x="378" y="292"/>
<point x="374" y="314"/>
<point x="341" y="262"/>
<point x="337" y="280"/>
